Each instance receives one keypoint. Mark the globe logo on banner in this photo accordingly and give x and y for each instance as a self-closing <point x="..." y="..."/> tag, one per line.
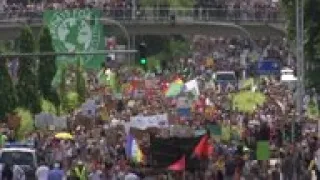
<point x="76" y="30"/>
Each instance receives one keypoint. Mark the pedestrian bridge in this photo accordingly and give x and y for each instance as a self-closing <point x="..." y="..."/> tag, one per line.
<point x="154" y="21"/>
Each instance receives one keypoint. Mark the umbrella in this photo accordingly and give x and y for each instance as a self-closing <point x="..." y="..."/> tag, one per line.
<point x="63" y="135"/>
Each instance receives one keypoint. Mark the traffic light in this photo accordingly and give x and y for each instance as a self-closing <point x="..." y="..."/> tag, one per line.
<point x="143" y="62"/>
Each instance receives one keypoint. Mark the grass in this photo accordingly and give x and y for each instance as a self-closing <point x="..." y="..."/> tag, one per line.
<point x="248" y="101"/>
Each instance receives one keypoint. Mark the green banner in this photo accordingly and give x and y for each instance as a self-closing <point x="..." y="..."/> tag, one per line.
<point x="77" y="30"/>
<point x="215" y="130"/>
<point x="263" y="150"/>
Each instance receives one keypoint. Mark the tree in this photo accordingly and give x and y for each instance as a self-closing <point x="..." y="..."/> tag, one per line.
<point x="80" y="82"/>
<point x="47" y="68"/>
<point x="27" y="86"/>
<point x="62" y="86"/>
<point x="312" y="36"/>
<point x="8" y="96"/>
<point x="175" y="49"/>
<point x="179" y="48"/>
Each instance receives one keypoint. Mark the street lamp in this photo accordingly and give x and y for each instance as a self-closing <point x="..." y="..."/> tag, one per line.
<point x="123" y="29"/>
<point x="300" y="59"/>
<point x="117" y="23"/>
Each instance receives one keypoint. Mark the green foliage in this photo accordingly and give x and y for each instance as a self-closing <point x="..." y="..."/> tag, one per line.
<point x="182" y="3"/>
<point x="27" y="86"/>
<point x="7" y="91"/>
<point x="27" y="123"/>
<point x="247" y="84"/>
<point x="63" y="86"/>
<point x="247" y="101"/>
<point x="153" y="62"/>
<point x="47" y="68"/>
<point x="6" y="46"/>
<point x="80" y="82"/>
<point x="179" y="48"/>
<point x="71" y="101"/>
<point x="172" y="49"/>
<point x="312" y="35"/>
<point x="48" y="107"/>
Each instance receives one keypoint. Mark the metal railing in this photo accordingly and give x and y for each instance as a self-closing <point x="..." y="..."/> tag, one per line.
<point x="157" y="15"/>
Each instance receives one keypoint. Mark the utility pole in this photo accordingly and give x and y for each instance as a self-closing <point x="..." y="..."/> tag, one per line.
<point x="313" y="5"/>
<point x="300" y="64"/>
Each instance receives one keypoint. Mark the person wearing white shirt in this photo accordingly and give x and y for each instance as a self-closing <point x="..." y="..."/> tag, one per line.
<point x="42" y="172"/>
<point x="131" y="176"/>
<point x="95" y="175"/>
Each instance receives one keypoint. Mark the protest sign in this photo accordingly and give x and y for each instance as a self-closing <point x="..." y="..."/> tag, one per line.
<point x="45" y="121"/>
<point x="144" y="122"/>
<point x="184" y="113"/>
<point x="215" y="130"/>
<point x="263" y="150"/>
<point x="200" y="132"/>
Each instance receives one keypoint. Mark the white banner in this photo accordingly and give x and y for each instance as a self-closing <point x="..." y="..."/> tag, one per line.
<point x="144" y="122"/>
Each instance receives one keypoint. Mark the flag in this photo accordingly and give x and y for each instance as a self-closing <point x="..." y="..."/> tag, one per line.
<point x="133" y="150"/>
<point x="192" y="87"/>
<point x="203" y="149"/>
<point x="179" y="165"/>
<point x="174" y="89"/>
<point x="178" y="81"/>
<point x="263" y="150"/>
<point x="167" y="151"/>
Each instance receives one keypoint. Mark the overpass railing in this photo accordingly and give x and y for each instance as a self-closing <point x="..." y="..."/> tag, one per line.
<point x="156" y="15"/>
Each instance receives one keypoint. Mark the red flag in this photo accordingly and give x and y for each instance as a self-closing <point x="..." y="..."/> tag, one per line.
<point x="203" y="148"/>
<point x="179" y="165"/>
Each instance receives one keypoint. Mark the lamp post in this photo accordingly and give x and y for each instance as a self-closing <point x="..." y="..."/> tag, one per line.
<point x="300" y="62"/>
<point x="122" y="28"/>
<point x="117" y="23"/>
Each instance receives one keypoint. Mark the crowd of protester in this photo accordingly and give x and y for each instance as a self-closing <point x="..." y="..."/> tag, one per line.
<point x="98" y="147"/>
<point x="203" y="10"/>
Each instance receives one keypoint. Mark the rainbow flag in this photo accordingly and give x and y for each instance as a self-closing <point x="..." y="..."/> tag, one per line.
<point x="174" y="88"/>
<point x="178" y="81"/>
<point x="133" y="150"/>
